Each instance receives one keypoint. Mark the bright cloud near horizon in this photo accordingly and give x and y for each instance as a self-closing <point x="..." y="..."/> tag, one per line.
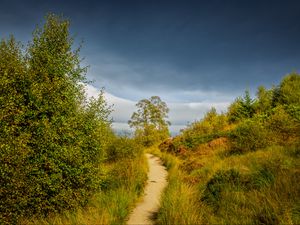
<point x="180" y="114"/>
<point x="194" y="54"/>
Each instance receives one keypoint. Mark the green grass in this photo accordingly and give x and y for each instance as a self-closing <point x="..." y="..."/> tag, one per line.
<point x="178" y="202"/>
<point x="124" y="182"/>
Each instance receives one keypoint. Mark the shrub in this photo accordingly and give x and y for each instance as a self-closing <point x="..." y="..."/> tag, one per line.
<point x="249" y="135"/>
<point x="294" y="112"/>
<point x="218" y="183"/>
<point x="149" y="135"/>
<point x="167" y="146"/>
<point x="288" y="91"/>
<point x="283" y="127"/>
<point x="233" y="180"/>
<point x="264" y="100"/>
<point x="123" y="148"/>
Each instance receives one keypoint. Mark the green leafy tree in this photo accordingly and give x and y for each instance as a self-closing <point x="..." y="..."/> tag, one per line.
<point x="14" y="137"/>
<point x="150" y="120"/>
<point x="51" y="140"/>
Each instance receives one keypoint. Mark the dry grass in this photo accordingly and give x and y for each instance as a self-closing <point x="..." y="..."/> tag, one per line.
<point x="265" y="191"/>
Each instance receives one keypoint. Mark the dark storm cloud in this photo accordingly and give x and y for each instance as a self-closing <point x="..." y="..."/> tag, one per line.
<point x="138" y="47"/>
<point x="191" y="45"/>
<point x="194" y="54"/>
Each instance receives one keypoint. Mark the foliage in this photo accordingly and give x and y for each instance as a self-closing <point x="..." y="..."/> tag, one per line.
<point x="211" y="123"/>
<point x="123" y="147"/>
<point x="112" y="205"/>
<point x="212" y="126"/>
<point x="51" y="141"/>
<point x="242" y="108"/>
<point x="294" y="112"/>
<point x="264" y="99"/>
<point x="250" y="124"/>
<point x="284" y="129"/>
<point x="233" y="180"/>
<point x="150" y="121"/>
<point x="249" y="135"/>
<point x="149" y="135"/>
<point x="288" y="91"/>
<point x="214" y="187"/>
<point x="250" y="178"/>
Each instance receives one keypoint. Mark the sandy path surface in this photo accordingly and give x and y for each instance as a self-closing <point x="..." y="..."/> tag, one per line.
<point x="157" y="181"/>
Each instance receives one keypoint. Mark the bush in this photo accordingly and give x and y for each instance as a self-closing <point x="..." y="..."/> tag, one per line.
<point x="218" y="183"/>
<point x="233" y="180"/>
<point x="167" y="146"/>
<point x="288" y="91"/>
<point x="249" y="135"/>
<point x="123" y="148"/>
<point x="149" y="135"/>
<point x="212" y="126"/>
<point x="283" y="127"/>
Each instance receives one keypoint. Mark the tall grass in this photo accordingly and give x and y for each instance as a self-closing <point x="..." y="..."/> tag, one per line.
<point x="263" y="189"/>
<point x="178" y="202"/>
<point x="258" y="187"/>
<point x="123" y="185"/>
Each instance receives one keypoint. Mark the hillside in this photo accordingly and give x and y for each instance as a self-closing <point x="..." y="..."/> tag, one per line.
<point x="239" y="167"/>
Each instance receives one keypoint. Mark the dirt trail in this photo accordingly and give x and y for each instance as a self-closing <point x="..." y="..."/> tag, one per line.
<point x="157" y="181"/>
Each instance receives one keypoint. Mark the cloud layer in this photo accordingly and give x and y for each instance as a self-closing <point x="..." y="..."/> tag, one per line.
<point x="180" y="113"/>
<point x="193" y="54"/>
<point x="170" y="48"/>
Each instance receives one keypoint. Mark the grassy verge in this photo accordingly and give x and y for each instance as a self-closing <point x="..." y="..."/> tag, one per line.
<point x="212" y="186"/>
<point x="178" y="203"/>
<point x="123" y="184"/>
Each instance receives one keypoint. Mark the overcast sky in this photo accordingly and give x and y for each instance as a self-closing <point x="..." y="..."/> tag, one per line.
<point x="193" y="54"/>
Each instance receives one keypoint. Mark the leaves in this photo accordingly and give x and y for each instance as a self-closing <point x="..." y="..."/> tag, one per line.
<point x="150" y="120"/>
<point x="51" y="140"/>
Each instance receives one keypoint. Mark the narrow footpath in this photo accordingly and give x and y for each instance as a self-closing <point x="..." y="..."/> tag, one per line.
<point x="157" y="181"/>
